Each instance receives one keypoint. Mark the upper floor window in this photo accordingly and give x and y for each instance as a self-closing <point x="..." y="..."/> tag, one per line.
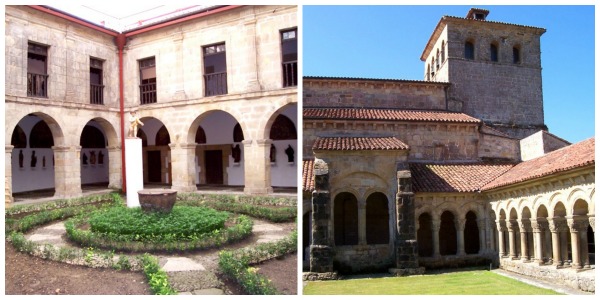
<point x="215" y="70"/>
<point x="469" y="50"/>
<point x="289" y="57"/>
<point x="37" y="70"/>
<point x="96" y="87"/>
<point x="443" y="51"/>
<point x="437" y="60"/>
<point x="493" y="52"/>
<point x="516" y="55"/>
<point x="147" y="80"/>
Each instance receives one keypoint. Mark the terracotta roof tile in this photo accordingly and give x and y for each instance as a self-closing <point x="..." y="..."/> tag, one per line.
<point x="386" y="115"/>
<point x="308" y="178"/>
<point x="454" y="177"/>
<point x="564" y="159"/>
<point x="359" y="143"/>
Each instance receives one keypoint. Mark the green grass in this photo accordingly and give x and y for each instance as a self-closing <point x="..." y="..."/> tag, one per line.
<point x="455" y="283"/>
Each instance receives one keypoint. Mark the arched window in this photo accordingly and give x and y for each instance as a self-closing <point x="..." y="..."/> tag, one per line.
<point x="471" y="234"/>
<point x="162" y="137"/>
<point x="427" y="74"/>
<point x="92" y="137"/>
<point x="425" y="235"/>
<point x="238" y="134"/>
<point x="41" y="136"/>
<point x="200" y="136"/>
<point x="437" y="60"/>
<point x="447" y="234"/>
<point x="443" y="51"/>
<point x="432" y="66"/>
<point x="283" y="129"/>
<point x="493" y="52"/>
<point x="345" y="219"/>
<point x="516" y="55"/>
<point x="377" y="217"/>
<point x="469" y="50"/>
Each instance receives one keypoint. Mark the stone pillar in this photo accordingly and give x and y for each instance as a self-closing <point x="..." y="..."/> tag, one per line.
<point x="482" y="241"/>
<point x="523" y="226"/>
<point x="321" y="252"/>
<point x="253" y="84"/>
<point x="182" y="167"/>
<point x="557" y="226"/>
<point x="577" y="225"/>
<point x="406" y="247"/>
<point x="538" y="246"/>
<point x="501" y="246"/>
<point x="8" y="197"/>
<point x="435" y="227"/>
<point x="362" y="222"/>
<point x="115" y="173"/>
<point x="67" y="172"/>
<point x="178" y="68"/>
<point x="511" y="240"/>
<point x="257" y="167"/>
<point x="460" y="236"/>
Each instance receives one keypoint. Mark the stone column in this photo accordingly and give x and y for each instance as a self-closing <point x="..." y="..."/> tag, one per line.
<point x="523" y="235"/>
<point x="253" y="84"/>
<point x="538" y="246"/>
<point x="115" y="174"/>
<point x="257" y="167"/>
<point x="178" y="68"/>
<point x="556" y="227"/>
<point x="482" y="241"/>
<point x="576" y="226"/>
<point x="67" y="171"/>
<point x="182" y="167"/>
<point x="321" y="252"/>
<point x="501" y="246"/>
<point x="435" y="227"/>
<point x="460" y="236"/>
<point x="511" y="240"/>
<point x="362" y="222"/>
<point x="8" y="197"/>
<point x="406" y="247"/>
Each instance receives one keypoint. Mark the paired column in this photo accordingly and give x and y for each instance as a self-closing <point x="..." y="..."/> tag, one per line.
<point x="460" y="236"/>
<point x="523" y="230"/>
<point x="512" y="245"/>
<point x="362" y="221"/>
<point x="482" y="242"/>
<point x="435" y="226"/>
<point x="578" y="228"/>
<point x="539" y="226"/>
<point x="558" y="227"/>
<point x="501" y="246"/>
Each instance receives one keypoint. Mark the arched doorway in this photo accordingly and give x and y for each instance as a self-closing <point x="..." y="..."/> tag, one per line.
<point x="447" y="234"/>
<point x="425" y="235"/>
<point x="345" y="219"/>
<point x="156" y="152"/>
<point x="377" y="219"/>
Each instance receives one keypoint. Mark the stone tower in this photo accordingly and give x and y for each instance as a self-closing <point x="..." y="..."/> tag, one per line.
<point x="494" y="70"/>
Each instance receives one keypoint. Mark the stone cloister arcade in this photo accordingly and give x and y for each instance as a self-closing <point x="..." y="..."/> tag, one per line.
<point x="60" y="151"/>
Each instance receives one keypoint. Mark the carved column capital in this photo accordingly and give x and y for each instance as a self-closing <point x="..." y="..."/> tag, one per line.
<point x="460" y="224"/>
<point x="577" y="224"/>
<point x="557" y="225"/>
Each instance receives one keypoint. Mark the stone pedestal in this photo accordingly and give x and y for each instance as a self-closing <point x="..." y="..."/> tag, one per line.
<point x="134" y="170"/>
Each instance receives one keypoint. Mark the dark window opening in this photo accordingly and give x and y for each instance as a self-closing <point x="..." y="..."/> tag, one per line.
<point x="516" y="55"/>
<point x="37" y="72"/>
<point x="215" y="70"/>
<point x="469" y="50"/>
<point x="425" y="235"/>
<point x="41" y="136"/>
<point x="96" y="87"/>
<point x="471" y="234"/>
<point x="283" y="129"/>
<point x="447" y="234"/>
<point x="443" y="51"/>
<point x="238" y="134"/>
<point x="289" y="57"/>
<point x="92" y="137"/>
<point x="18" y="138"/>
<point x="200" y="136"/>
<point x="147" y="81"/>
<point x="345" y="219"/>
<point x="162" y="137"/>
<point x="493" y="52"/>
<point x="377" y="218"/>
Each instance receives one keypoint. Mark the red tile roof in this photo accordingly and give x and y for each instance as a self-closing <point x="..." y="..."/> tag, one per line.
<point x="564" y="159"/>
<point x="308" y="178"/>
<point x="462" y="177"/>
<point x="359" y="143"/>
<point x="386" y="115"/>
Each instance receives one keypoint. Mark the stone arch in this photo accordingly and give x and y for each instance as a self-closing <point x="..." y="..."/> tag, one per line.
<point x="156" y="151"/>
<point x="580" y="208"/>
<point x="577" y="195"/>
<point x="558" y="208"/>
<point x="448" y="233"/>
<point x="266" y="122"/>
<point x="193" y="128"/>
<point x="345" y="219"/>
<point x="477" y="208"/>
<point x="377" y="219"/>
<point x="282" y="130"/>
<point x="425" y="234"/>
<point x="98" y="140"/>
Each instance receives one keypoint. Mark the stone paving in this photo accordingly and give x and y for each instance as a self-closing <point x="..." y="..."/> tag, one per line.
<point x="189" y="274"/>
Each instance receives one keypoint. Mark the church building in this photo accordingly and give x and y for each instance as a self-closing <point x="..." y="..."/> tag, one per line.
<point x="453" y="170"/>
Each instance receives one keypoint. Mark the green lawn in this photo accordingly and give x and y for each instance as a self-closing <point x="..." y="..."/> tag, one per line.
<point x="473" y="282"/>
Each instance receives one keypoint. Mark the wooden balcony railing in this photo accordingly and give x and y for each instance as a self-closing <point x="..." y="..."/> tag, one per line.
<point x="148" y="93"/>
<point x="37" y="85"/>
<point x="290" y="74"/>
<point x="215" y="84"/>
<point x="96" y="94"/>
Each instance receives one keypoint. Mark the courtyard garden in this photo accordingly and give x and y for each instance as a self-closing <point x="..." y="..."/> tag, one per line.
<point x="237" y="244"/>
<point x="457" y="282"/>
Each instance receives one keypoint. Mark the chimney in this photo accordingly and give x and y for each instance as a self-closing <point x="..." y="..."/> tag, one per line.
<point x="477" y="14"/>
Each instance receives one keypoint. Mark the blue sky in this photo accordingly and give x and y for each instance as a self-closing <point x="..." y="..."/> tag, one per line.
<point x="387" y="42"/>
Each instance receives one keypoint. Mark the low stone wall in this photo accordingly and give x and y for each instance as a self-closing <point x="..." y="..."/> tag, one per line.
<point x="578" y="279"/>
<point x="457" y="261"/>
<point x="362" y="258"/>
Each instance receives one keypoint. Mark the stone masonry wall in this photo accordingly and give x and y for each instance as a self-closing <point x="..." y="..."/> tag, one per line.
<point x="374" y="94"/>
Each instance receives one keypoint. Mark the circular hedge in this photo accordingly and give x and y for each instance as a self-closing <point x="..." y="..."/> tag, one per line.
<point x="180" y="224"/>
